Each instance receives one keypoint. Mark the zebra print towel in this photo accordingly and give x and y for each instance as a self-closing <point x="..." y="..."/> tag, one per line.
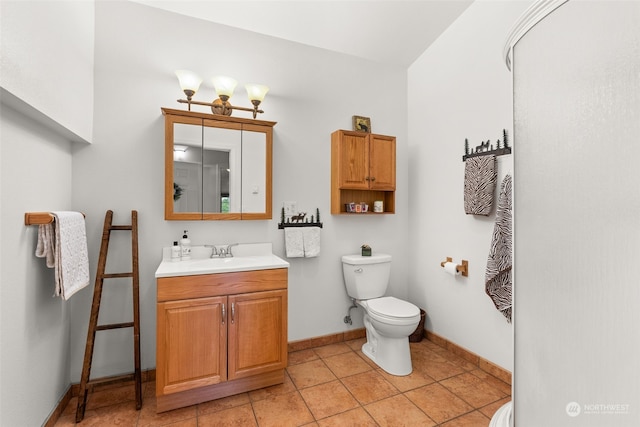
<point x="498" y="275"/>
<point x="479" y="184"/>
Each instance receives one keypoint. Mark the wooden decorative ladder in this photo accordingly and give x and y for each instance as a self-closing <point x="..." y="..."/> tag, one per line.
<point x="95" y="309"/>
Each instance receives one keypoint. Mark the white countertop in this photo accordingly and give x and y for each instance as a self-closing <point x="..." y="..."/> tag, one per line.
<point x="247" y="257"/>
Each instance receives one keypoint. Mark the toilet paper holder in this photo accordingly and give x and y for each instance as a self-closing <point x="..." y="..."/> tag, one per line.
<point x="462" y="268"/>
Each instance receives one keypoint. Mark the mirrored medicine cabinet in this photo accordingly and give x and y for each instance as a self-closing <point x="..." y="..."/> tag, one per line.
<point x="217" y="167"/>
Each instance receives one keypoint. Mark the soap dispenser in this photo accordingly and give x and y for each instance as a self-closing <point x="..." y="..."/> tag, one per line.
<point x="185" y="247"/>
<point x="176" y="252"/>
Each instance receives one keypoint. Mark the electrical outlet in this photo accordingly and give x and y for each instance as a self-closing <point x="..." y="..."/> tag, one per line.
<point x="290" y="209"/>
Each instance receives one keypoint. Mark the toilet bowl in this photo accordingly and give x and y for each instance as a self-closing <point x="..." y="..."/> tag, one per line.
<point x="388" y="320"/>
<point x="502" y="417"/>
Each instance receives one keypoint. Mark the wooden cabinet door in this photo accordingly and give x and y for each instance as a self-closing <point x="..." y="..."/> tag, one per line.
<point x="192" y="344"/>
<point x="257" y="333"/>
<point x="382" y="162"/>
<point x="354" y="161"/>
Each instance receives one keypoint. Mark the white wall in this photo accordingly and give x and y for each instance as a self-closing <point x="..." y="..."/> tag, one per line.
<point x="47" y="101"/>
<point x="35" y="175"/>
<point x="577" y="210"/>
<point x="313" y="92"/>
<point x="459" y="88"/>
<point x="47" y="62"/>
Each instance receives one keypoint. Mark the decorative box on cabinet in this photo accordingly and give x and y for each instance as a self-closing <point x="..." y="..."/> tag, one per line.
<point x="363" y="169"/>
<point x="219" y="335"/>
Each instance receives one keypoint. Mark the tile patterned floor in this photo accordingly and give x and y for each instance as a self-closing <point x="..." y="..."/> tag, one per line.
<point x="333" y="385"/>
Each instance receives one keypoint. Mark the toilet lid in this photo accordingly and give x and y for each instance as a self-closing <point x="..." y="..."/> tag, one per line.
<point x="392" y="307"/>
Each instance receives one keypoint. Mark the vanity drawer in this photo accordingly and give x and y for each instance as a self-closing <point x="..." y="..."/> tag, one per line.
<point x="211" y="285"/>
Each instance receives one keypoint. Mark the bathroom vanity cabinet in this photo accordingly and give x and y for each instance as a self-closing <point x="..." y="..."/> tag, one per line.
<point x="219" y="334"/>
<point x="363" y="169"/>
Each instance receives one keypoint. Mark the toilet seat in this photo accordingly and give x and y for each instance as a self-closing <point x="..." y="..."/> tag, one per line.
<point x="392" y="307"/>
<point x="391" y="310"/>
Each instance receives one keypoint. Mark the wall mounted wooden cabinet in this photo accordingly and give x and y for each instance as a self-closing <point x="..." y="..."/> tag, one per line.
<point x="217" y="167"/>
<point x="219" y="335"/>
<point x="363" y="169"/>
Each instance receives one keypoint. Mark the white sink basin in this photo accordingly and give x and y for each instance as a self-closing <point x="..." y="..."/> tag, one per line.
<point x="247" y="257"/>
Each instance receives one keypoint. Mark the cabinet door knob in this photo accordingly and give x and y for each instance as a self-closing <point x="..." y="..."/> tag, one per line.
<point x="233" y="312"/>
<point x="224" y="314"/>
<point x="373" y="178"/>
<point x="367" y="178"/>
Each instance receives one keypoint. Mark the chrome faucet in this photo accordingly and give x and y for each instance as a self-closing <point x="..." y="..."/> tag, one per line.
<point x="226" y="252"/>
<point x="214" y="250"/>
<point x="222" y="252"/>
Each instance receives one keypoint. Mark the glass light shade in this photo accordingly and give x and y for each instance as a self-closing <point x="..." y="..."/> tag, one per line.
<point x="224" y="85"/>
<point x="188" y="80"/>
<point x="256" y="92"/>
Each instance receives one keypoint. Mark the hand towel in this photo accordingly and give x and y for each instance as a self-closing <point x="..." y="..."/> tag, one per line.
<point x="293" y="242"/>
<point x="479" y="184"/>
<point x="64" y="244"/>
<point x="46" y="244"/>
<point x="498" y="282"/>
<point x="311" y="241"/>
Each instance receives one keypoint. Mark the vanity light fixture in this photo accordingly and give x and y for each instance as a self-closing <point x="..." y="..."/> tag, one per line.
<point x="180" y="152"/>
<point x="224" y="86"/>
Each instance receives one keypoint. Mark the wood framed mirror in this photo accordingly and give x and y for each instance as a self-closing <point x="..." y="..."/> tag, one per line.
<point x="217" y="167"/>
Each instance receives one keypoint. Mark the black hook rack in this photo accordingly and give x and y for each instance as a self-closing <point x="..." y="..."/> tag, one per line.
<point x="486" y="148"/>
<point x="300" y="220"/>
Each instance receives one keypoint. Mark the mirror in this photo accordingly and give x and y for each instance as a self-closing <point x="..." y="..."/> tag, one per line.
<point x="216" y="168"/>
<point x="206" y="169"/>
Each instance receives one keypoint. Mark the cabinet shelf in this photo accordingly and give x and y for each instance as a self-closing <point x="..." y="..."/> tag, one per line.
<point x="364" y="213"/>
<point x="367" y="196"/>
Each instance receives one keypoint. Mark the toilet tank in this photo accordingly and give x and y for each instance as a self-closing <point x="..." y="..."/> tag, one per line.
<point x="366" y="277"/>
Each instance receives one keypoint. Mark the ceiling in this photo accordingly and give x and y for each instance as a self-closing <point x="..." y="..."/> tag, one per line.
<point x="389" y="31"/>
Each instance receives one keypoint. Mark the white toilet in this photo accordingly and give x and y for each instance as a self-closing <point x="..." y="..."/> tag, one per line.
<point x="389" y="321"/>
<point x="502" y="417"/>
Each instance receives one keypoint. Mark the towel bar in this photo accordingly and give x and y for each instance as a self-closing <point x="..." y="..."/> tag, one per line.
<point x="38" y="218"/>
<point x="282" y="226"/>
<point x="314" y="221"/>
<point x="485" y="148"/>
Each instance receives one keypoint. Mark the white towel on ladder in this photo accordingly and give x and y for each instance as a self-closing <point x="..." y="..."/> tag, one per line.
<point x="64" y="244"/>
<point x="46" y="244"/>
